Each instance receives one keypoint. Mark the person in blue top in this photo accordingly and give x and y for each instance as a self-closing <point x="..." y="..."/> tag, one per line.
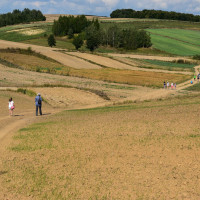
<point x="38" y="104"/>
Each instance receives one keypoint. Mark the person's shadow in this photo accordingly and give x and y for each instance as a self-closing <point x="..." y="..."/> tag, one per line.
<point x="45" y="114"/>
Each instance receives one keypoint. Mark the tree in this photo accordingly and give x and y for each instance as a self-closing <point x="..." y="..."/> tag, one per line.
<point x="78" y="42"/>
<point x="70" y="33"/>
<point x="93" y="37"/>
<point x="51" y="40"/>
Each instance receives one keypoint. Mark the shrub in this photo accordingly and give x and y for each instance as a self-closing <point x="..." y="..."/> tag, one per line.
<point x="78" y="42"/>
<point x="51" y="40"/>
<point x="196" y="57"/>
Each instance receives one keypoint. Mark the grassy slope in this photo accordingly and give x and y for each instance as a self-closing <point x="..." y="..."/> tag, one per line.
<point x="171" y="65"/>
<point x="7" y="33"/>
<point x="109" y="153"/>
<point x="176" y="41"/>
<point x="190" y="36"/>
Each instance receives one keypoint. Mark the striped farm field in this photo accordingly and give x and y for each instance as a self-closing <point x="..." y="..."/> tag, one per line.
<point x="125" y="76"/>
<point x="176" y="41"/>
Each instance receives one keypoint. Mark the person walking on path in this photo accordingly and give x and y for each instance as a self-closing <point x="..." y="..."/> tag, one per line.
<point x="172" y="85"/>
<point x="198" y="77"/>
<point x="175" y="86"/>
<point x="38" y="104"/>
<point x="167" y="85"/>
<point x="11" y="106"/>
<point x="194" y="77"/>
<point x="164" y="84"/>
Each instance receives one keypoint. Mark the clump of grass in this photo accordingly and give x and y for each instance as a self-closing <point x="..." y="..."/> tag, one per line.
<point x="196" y="57"/>
<point x="27" y="92"/>
<point x="182" y="61"/>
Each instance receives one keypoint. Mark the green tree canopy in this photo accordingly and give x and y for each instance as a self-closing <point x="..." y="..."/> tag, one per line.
<point x="77" y="42"/>
<point x="51" y="40"/>
<point x="93" y="37"/>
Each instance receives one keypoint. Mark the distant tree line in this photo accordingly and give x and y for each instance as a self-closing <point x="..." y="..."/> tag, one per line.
<point x="154" y="14"/>
<point x="129" y="39"/>
<point x="17" y="17"/>
<point x="69" y="25"/>
<point x="94" y="35"/>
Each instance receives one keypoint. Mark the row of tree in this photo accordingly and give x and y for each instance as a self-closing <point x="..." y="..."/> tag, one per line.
<point x="129" y="39"/>
<point x="69" y="25"/>
<point x="154" y="14"/>
<point x="17" y="17"/>
<point x="81" y="29"/>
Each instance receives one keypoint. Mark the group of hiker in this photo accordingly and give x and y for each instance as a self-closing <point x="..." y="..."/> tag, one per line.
<point x="173" y="85"/>
<point x="195" y="77"/>
<point x="168" y="85"/>
<point x="38" y="105"/>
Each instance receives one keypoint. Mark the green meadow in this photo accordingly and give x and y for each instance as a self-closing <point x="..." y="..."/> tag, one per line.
<point x="17" y="33"/>
<point x="176" y="41"/>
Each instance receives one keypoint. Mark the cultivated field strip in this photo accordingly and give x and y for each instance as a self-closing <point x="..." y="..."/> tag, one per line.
<point x="121" y="64"/>
<point x="147" y="57"/>
<point x="64" y="59"/>
<point x="107" y="62"/>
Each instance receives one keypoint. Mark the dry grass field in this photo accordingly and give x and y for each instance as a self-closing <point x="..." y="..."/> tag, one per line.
<point x="142" y="151"/>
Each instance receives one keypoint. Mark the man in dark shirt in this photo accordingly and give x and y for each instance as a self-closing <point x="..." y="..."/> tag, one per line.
<point x="38" y="104"/>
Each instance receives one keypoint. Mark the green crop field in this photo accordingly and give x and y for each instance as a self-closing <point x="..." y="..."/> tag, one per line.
<point x="170" y="64"/>
<point x="189" y="36"/>
<point x="150" y="24"/>
<point x="23" y="32"/>
<point x="176" y="41"/>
